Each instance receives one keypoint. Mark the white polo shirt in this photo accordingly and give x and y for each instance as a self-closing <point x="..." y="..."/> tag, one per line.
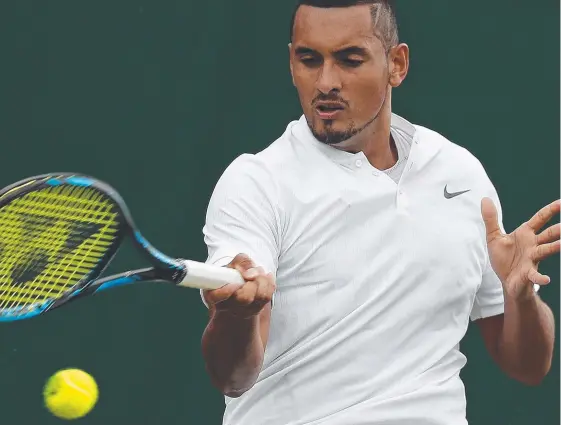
<point x="376" y="280"/>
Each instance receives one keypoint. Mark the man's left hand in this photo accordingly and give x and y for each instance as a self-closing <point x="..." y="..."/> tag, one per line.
<point x="515" y="257"/>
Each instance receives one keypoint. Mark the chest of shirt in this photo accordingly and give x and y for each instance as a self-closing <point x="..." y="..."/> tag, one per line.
<point x="348" y="228"/>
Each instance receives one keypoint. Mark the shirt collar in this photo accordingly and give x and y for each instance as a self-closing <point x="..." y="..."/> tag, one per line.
<point x="302" y="131"/>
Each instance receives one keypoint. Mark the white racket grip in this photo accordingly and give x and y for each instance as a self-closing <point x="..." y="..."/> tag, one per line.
<point x="207" y="276"/>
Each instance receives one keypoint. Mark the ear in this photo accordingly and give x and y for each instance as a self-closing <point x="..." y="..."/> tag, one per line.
<point x="398" y="58"/>
<point x="290" y="62"/>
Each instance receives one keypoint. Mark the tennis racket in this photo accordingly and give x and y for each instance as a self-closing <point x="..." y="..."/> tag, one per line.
<point x="59" y="232"/>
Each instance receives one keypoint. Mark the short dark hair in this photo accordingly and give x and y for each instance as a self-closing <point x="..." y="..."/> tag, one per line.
<point x="384" y="21"/>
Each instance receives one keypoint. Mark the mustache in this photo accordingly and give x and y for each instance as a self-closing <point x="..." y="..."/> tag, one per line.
<point x="329" y="98"/>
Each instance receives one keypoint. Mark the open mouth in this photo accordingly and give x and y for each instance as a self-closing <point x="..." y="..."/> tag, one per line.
<point x="328" y="110"/>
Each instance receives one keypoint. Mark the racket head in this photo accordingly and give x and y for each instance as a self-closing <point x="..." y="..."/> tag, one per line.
<point x="58" y="233"/>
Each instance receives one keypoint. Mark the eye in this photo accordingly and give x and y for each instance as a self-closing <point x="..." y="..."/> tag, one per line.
<point x="310" y="60"/>
<point x="353" y="63"/>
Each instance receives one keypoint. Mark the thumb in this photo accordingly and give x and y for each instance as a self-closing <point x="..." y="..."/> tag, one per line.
<point x="241" y="263"/>
<point x="490" y="218"/>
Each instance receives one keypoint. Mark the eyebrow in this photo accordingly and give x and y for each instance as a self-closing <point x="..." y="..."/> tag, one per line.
<point x="304" y="51"/>
<point x="351" y="50"/>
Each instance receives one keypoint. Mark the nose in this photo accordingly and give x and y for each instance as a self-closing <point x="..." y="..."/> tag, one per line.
<point x="328" y="79"/>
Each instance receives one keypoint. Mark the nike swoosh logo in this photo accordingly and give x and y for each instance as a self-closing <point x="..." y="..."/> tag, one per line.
<point x="450" y="195"/>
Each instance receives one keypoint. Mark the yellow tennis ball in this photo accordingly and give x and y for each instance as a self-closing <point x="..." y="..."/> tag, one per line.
<point x="70" y="393"/>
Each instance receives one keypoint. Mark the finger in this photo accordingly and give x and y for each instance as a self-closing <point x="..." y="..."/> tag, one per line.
<point x="246" y="294"/>
<point x="490" y="218"/>
<point x="221" y="294"/>
<point x="546" y="250"/>
<point x="544" y="215"/>
<point x="272" y="286"/>
<point x="241" y="263"/>
<point x="551" y="234"/>
<point x="252" y="273"/>
<point x="265" y="289"/>
<point x="536" y="277"/>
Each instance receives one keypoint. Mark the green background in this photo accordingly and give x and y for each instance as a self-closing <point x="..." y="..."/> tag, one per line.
<point x="157" y="97"/>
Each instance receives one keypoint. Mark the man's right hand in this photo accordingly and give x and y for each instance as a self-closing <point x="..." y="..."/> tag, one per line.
<point x="245" y="300"/>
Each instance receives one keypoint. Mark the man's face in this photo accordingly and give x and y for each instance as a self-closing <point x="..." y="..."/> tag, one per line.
<point x="340" y="70"/>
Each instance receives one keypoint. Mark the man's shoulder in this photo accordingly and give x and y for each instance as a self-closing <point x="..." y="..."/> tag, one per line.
<point x="267" y="165"/>
<point x="281" y="151"/>
<point x="275" y="157"/>
<point x="449" y="151"/>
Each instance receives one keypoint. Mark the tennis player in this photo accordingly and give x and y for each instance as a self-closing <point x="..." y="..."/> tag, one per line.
<point x="367" y="244"/>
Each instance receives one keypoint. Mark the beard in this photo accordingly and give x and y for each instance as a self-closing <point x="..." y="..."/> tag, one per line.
<point x="330" y="136"/>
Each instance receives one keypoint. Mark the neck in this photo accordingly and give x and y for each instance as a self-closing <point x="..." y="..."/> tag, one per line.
<point x="375" y="141"/>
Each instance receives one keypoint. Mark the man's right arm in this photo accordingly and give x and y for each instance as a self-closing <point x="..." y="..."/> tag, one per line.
<point x="242" y="217"/>
<point x="235" y="338"/>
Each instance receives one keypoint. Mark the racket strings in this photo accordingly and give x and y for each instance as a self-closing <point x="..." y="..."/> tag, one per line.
<point x="80" y="261"/>
<point x="54" y="291"/>
<point x="48" y="290"/>
<point x="50" y="240"/>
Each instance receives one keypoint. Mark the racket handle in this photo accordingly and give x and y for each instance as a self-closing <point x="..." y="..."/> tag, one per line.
<point x="206" y="276"/>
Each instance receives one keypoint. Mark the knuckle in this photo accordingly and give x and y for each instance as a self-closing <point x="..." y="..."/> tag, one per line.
<point x="270" y="285"/>
<point x="246" y="292"/>
<point x="267" y="286"/>
<point x="254" y="274"/>
<point x="263" y="292"/>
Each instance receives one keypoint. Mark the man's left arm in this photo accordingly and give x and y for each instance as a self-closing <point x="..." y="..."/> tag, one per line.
<point x="521" y="340"/>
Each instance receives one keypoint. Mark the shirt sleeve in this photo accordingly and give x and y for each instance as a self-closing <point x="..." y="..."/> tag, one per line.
<point x="242" y="216"/>
<point x="489" y="299"/>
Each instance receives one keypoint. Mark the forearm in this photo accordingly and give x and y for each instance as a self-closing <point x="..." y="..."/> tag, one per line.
<point x="526" y="343"/>
<point x="233" y="352"/>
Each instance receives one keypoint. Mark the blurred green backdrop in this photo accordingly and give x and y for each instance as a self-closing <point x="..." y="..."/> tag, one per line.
<point x="157" y="97"/>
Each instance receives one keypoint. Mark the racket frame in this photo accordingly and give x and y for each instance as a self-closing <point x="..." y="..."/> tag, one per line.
<point x="165" y="269"/>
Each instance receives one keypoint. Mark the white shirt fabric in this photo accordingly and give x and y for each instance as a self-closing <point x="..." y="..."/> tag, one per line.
<point x="403" y="145"/>
<point x="376" y="280"/>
